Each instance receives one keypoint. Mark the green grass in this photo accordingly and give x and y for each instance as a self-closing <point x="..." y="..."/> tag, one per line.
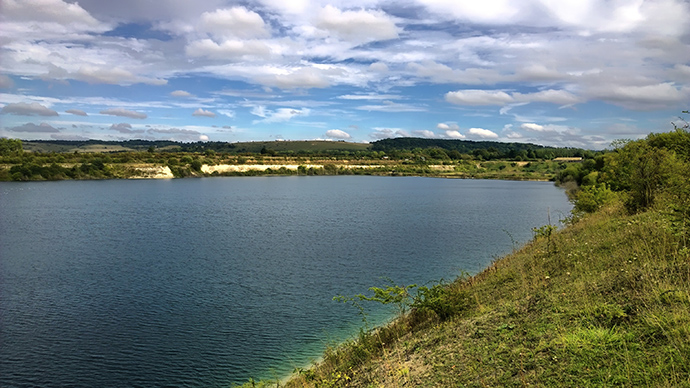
<point x="604" y="302"/>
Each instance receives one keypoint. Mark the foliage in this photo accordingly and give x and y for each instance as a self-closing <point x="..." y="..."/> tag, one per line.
<point x="10" y="147"/>
<point x="482" y="150"/>
<point x="593" y="197"/>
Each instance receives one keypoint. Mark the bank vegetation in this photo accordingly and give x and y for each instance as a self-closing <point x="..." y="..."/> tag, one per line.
<point x="604" y="301"/>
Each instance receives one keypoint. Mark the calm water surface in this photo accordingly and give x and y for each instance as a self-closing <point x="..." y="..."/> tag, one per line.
<point x="208" y="282"/>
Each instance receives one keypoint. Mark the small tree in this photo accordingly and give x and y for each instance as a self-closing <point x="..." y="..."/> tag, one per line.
<point x="9" y="147"/>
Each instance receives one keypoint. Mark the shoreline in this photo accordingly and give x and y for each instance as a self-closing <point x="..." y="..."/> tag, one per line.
<point x="84" y="171"/>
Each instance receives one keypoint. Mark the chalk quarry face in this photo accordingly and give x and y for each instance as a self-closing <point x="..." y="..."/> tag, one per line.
<point x="159" y="172"/>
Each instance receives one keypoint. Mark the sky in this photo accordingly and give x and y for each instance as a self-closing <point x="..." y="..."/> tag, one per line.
<point x="566" y="73"/>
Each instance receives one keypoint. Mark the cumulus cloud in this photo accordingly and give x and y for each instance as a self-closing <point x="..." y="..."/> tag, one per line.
<point x="386" y="133"/>
<point x="24" y="109"/>
<point x="125" y="128"/>
<point x="482" y="133"/>
<point x="479" y="97"/>
<point x="474" y="97"/>
<point x="455" y="135"/>
<point x="451" y="130"/>
<point x="537" y="128"/>
<point x="203" y="113"/>
<point x="54" y="11"/>
<point x="487" y="11"/>
<point x="643" y="97"/>
<point x="446" y="127"/>
<point x="124" y="113"/>
<point x="379" y="67"/>
<point x="236" y="22"/>
<point x="303" y="77"/>
<point x="424" y="133"/>
<point x="357" y="26"/>
<point x="338" y="134"/>
<point x="230" y="50"/>
<point x="77" y="112"/>
<point x="181" y="93"/>
<point x="369" y="96"/>
<point x="558" y="97"/>
<point x="31" y="127"/>
<point x="493" y="53"/>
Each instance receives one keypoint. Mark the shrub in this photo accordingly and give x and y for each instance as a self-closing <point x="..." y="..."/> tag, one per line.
<point x="591" y="198"/>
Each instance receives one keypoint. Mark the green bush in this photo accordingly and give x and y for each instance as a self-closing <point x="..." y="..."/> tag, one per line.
<point x="591" y="198"/>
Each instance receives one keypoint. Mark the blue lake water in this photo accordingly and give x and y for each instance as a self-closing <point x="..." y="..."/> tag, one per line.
<point x="208" y="282"/>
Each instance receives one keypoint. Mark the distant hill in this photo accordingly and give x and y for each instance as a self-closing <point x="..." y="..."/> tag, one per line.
<point x="484" y="149"/>
<point x="473" y="147"/>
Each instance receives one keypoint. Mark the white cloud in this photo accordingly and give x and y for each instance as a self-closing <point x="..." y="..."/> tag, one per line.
<point x="535" y="127"/>
<point x="532" y="127"/>
<point x="181" y="93"/>
<point x="203" y="113"/>
<point x="486" y="11"/>
<point x="370" y="96"/>
<point x="455" y="135"/>
<point x="236" y="22"/>
<point x="24" y="109"/>
<point x="386" y="133"/>
<point x="54" y="11"/>
<point x="379" y="67"/>
<point x="497" y="97"/>
<point x="231" y="50"/>
<point x="277" y="116"/>
<point x="446" y="127"/>
<point x="227" y="113"/>
<point x="479" y="97"/>
<point x="451" y="130"/>
<point x="357" y="26"/>
<point x="482" y="133"/>
<point x="559" y="97"/>
<point x="338" y="134"/>
<point x="424" y="133"/>
<point x="644" y="97"/>
<point x="303" y="77"/>
<point x="390" y="106"/>
<point x="124" y="113"/>
<point x="495" y="53"/>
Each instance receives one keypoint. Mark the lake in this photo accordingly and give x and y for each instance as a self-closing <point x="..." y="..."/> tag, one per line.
<point x="208" y="282"/>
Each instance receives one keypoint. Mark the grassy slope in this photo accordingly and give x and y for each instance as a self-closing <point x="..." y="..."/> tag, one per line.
<point x="604" y="302"/>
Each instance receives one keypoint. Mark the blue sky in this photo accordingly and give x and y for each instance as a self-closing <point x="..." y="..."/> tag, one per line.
<point x="576" y="73"/>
